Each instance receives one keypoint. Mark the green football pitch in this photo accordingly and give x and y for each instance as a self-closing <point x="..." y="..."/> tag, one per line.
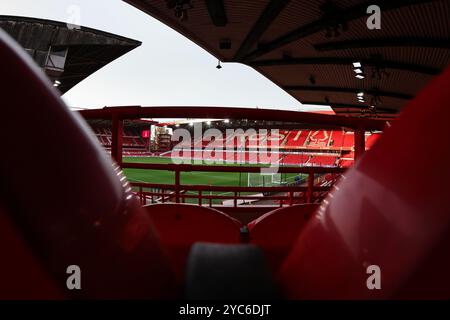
<point x="193" y="178"/>
<point x="190" y="178"/>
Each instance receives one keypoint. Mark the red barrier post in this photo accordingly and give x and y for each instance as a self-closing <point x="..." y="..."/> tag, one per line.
<point x="117" y="139"/>
<point x="177" y="186"/>
<point x="360" y="143"/>
<point x="309" y="193"/>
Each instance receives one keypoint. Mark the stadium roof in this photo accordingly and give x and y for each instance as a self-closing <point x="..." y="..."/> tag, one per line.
<point x="308" y="47"/>
<point x="68" y="55"/>
<point x="135" y="123"/>
<point x="293" y="117"/>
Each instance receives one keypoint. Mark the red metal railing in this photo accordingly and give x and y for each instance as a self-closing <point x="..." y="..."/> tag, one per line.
<point x="177" y="192"/>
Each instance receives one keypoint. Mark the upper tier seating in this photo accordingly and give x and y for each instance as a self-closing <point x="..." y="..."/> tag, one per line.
<point x="349" y="140"/>
<point x="131" y="137"/>
<point x="296" y="139"/>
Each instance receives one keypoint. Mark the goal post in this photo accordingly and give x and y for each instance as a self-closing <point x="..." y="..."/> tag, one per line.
<point x="257" y="179"/>
<point x="275" y="179"/>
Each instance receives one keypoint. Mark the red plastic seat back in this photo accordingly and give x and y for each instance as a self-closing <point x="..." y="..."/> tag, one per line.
<point x="20" y="268"/>
<point x="390" y="210"/>
<point x="63" y="199"/>
<point x="181" y="225"/>
<point x="276" y="231"/>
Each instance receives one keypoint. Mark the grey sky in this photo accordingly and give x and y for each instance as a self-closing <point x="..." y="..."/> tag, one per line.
<point x="168" y="69"/>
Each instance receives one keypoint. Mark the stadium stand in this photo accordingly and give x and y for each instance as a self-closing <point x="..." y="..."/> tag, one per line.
<point x="133" y="143"/>
<point x="131" y="137"/>
<point x="294" y="147"/>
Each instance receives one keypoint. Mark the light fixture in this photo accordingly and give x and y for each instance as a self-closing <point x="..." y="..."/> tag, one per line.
<point x="180" y="8"/>
<point x="360" y="94"/>
<point x="357" y="68"/>
<point x="56" y="83"/>
<point x="226" y="120"/>
<point x="191" y="124"/>
<point x="177" y="125"/>
<point x="208" y="123"/>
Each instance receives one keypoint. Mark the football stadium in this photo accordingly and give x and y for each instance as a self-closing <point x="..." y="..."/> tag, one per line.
<point x="345" y="200"/>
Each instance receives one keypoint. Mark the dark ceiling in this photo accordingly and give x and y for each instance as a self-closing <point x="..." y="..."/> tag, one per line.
<point x="308" y="47"/>
<point x="88" y="50"/>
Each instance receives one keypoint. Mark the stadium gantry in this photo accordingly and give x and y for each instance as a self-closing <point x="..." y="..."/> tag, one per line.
<point x="262" y="203"/>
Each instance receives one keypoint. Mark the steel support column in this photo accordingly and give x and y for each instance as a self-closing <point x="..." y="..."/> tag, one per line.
<point x="360" y="143"/>
<point x="177" y="186"/>
<point x="117" y="139"/>
<point x="310" y="191"/>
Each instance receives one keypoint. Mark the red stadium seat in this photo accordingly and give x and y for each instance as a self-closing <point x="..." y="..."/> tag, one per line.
<point x="66" y="205"/>
<point x="387" y="211"/>
<point x="20" y="268"/>
<point x="182" y="225"/>
<point x="276" y="231"/>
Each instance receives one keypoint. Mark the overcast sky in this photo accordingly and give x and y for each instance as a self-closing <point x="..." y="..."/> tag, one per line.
<point x="168" y="69"/>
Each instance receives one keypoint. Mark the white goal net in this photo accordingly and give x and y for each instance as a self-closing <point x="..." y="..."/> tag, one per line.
<point x="263" y="179"/>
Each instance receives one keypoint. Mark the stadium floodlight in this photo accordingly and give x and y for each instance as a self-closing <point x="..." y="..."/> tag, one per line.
<point x="358" y="71"/>
<point x="359" y="76"/>
<point x="357" y="64"/>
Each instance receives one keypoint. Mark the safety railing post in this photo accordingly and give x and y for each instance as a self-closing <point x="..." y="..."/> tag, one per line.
<point x="117" y="139"/>
<point x="360" y="143"/>
<point x="177" y="185"/>
<point x="309" y="192"/>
